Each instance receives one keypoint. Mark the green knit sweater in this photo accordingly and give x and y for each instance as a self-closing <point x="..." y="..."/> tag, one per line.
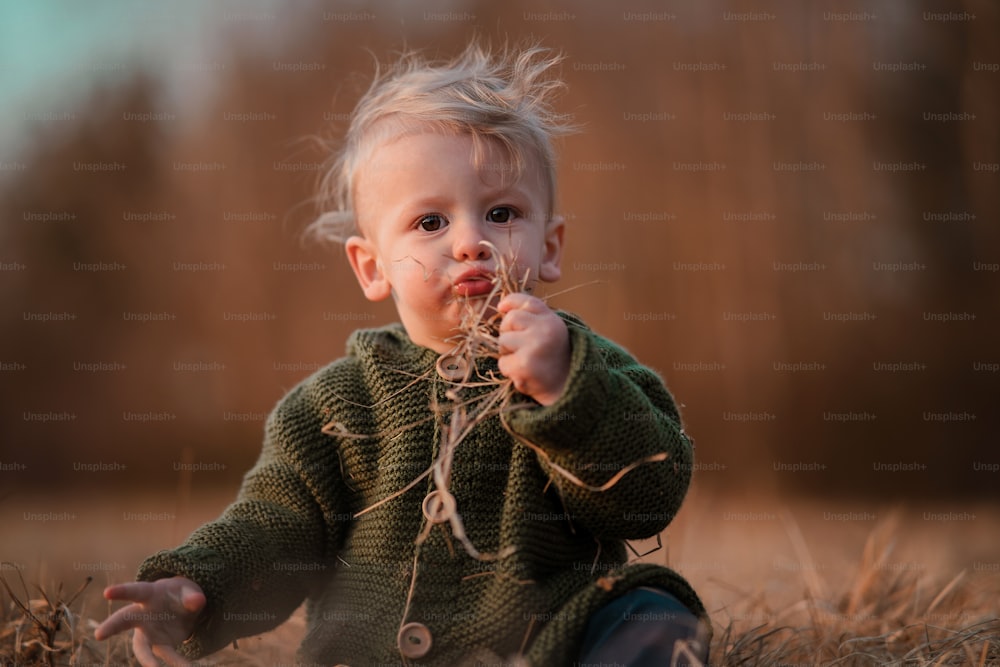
<point x="292" y="534"/>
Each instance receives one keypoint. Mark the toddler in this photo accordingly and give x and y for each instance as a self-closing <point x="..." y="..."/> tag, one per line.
<point x="432" y="503"/>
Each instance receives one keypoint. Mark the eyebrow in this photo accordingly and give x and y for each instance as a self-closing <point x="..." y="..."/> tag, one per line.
<point x="498" y="194"/>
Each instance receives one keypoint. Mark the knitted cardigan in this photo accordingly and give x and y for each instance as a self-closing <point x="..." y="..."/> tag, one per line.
<point x="293" y="533"/>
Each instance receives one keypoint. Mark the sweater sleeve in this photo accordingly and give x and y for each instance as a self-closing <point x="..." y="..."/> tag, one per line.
<point x="256" y="562"/>
<point x="614" y="415"/>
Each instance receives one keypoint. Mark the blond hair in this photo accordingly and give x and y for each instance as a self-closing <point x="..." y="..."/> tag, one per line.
<point x="503" y="96"/>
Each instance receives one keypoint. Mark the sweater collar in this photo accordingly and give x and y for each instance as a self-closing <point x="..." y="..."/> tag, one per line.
<point x="391" y="346"/>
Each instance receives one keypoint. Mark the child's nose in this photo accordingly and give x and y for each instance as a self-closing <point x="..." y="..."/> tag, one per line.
<point x="468" y="242"/>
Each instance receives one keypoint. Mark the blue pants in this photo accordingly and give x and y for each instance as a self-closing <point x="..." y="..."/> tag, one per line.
<point x="640" y="629"/>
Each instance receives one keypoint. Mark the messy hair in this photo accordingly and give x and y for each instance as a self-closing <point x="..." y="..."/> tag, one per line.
<point x="504" y="97"/>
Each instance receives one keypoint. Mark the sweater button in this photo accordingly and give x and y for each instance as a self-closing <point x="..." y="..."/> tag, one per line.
<point x="439" y="506"/>
<point x="453" y="367"/>
<point x="414" y="640"/>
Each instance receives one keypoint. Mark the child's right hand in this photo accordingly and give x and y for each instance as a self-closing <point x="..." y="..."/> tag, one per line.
<point x="163" y="614"/>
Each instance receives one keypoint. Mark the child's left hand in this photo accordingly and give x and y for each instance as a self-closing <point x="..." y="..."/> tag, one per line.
<point x="534" y="347"/>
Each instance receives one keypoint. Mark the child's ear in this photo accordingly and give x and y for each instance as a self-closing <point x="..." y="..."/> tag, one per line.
<point x="551" y="267"/>
<point x="367" y="268"/>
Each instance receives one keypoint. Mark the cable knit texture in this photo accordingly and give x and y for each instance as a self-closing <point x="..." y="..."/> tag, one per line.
<point x="292" y="535"/>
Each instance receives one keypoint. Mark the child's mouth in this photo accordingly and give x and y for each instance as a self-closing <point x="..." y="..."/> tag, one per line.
<point x="473" y="283"/>
<point x="474" y="286"/>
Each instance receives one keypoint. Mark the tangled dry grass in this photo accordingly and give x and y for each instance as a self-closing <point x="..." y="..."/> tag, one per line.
<point x="43" y="628"/>
<point x="880" y="616"/>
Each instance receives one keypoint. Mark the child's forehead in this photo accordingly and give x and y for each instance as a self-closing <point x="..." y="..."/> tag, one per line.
<point x="430" y="140"/>
<point x="425" y="149"/>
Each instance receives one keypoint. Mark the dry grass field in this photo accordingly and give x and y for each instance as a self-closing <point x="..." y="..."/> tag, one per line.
<point x="787" y="581"/>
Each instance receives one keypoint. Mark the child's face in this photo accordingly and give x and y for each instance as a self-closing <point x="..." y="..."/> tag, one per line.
<point x="423" y="208"/>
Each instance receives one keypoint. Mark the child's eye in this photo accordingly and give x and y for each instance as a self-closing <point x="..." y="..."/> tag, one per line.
<point x="501" y="214"/>
<point x="431" y="223"/>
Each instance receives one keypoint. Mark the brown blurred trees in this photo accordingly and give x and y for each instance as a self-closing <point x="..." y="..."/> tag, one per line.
<point x="204" y="245"/>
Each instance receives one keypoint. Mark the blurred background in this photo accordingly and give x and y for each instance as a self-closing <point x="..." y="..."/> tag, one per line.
<point x="789" y="210"/>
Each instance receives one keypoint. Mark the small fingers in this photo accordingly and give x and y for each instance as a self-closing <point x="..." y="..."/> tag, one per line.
<point x="514" y="366"/>
<point x="509" y="342"/>
<point x="123" y="619"/>
<point x="518" y="319"/>
<point x="143" y="650"/>
<point x="137" y="591"/>
<point x="520" y="300"/>
<point x="192" y="600"/>
<point x="184" y="595"/>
